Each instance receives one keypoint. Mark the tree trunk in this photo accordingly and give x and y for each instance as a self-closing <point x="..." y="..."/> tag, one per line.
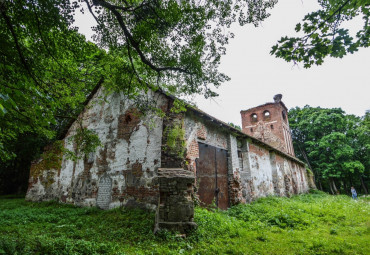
<point x="320" y="185"/>
<point x="345" y="186"/>
<point x="318" y="180"/>
<point x="331" y="187"/>
<point x="334" y="187"/>
<point x="363" y="185"/>
<point x="350" y="181"/>
<point x="308" y="163"/>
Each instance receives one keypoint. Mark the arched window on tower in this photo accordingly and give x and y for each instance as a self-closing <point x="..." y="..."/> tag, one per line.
<point x="254" y="117"/>
<point x="266" y="115"/>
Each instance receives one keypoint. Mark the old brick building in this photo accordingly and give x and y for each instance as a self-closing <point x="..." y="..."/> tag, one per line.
<point x="137" y="161"/>
<point x="269" y="123"/>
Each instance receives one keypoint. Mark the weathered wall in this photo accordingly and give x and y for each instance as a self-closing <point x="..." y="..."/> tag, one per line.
<point x="254" y="169"/>
<point x="123" y="169"/>
<point x="197" y="130"/>
<point x="266" y="172"/>
<point x="261" y="172"/>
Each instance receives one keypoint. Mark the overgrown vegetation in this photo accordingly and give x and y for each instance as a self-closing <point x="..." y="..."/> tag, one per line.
<point x="336" y="147"/>
<point x="86" y="141"/>
<point x="175" y="142"/>
<point x="306" y="224"/>
<point x="48" y="69"/>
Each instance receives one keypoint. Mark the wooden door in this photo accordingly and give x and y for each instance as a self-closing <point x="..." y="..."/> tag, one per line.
<point x="212" y="176"/>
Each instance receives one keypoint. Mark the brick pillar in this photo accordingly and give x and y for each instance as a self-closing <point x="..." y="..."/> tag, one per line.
<point x="235" y="191"/>
<point x="175" y="210"/>
<point x="274" y="173"/>
<point x="246" y="173"/>
<point x="173" y="157"/>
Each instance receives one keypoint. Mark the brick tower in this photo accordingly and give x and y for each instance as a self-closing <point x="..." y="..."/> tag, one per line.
<point x="269" y="123"/>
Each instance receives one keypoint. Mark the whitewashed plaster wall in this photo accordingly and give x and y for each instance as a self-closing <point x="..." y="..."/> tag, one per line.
<point x="129" y="155"/>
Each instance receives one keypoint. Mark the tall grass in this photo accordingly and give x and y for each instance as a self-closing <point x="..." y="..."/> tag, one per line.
<point x="305" y="224"/>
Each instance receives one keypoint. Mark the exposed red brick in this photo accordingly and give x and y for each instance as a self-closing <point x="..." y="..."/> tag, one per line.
<point x="257" y="150"/>
<point x="137" y="169"/>
<point x="202" y="132"/>
<point x="235" y="189"/>
<point x="193" y="150"/>
<point x="128" y="123"/>
<point x="272" y="129"/>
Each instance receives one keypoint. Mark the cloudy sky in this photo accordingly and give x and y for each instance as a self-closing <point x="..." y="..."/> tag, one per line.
<point x="256" y="76"/>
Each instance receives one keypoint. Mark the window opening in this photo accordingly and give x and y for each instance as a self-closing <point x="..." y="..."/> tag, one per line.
<point x="284" y="115"/>
<point x="266" y="115"/>
<point x="254" y="117"/>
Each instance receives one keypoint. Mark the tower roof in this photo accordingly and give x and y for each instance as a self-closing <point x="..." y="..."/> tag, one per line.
<point x="277" y="99"/>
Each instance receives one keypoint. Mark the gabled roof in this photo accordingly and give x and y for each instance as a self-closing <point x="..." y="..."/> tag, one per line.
<point x="202" y="114"/>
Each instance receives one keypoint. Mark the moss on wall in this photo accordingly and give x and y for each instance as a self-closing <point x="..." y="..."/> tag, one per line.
<point x="175" y="140"/>
<point x="50" y="159"/>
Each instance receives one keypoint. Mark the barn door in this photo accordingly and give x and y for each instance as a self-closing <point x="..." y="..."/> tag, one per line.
<point x="212" y="176"/>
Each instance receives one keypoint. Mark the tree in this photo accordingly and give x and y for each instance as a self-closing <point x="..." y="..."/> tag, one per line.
<point x="328" y="140"/>
<point x="235" y="126"/>
<point x="177" y="43"/>
<point x="168" y="44"/>
<point x="47" y="69"/>
<point x="322" y="33"/>
<point x="360" y="140"/>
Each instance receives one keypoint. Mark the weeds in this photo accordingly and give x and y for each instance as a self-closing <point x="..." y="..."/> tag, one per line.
<point x="307" y="224"/>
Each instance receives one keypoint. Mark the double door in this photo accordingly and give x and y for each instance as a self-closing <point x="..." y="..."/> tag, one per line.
<point x="212" y="176"/>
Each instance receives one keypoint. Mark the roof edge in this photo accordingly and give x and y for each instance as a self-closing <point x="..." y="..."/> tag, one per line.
<point x="193" y="109"/>
<point x="269" y="103"/>
<point x="241" y="134"/>
<point x="63" y="134"/>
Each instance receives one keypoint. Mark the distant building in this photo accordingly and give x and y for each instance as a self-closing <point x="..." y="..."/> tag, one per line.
<point x="269" y="123"/>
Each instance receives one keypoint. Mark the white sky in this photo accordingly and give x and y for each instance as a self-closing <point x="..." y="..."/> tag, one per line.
<point x="256" y="76"/>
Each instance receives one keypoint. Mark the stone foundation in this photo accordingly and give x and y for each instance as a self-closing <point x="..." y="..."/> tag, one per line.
<point x="175" y="210"/>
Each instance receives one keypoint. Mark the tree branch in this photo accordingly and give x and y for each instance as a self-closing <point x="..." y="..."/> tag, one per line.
<point x="91" y="11"/>
<point x="132" y="41"/>
<point x="17" y="46"/>
<point x="329" y="18"/>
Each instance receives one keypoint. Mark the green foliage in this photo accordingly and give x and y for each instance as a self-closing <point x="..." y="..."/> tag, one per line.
<point x="309" y="171"/>
<point x="314" y="223"/>
<point x="84" y="142"/>
<point x="333" y="144"/>
<point x="235" y="126"/>
<point x="52" y="156"/>
<point x="322" y="33"/>
<point x="174" y="45"/>
<point x="175" y="140"/>
<point x="46" y="69"/>
<point x="179" y="106"/>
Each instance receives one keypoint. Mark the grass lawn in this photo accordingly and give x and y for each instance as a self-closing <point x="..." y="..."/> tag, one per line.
<point x="306" y="224"/>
